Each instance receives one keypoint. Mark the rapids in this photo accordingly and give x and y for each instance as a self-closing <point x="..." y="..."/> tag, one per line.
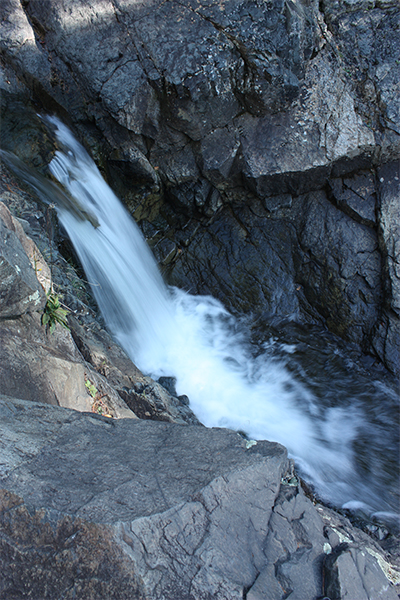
<point x="338" y="424"/>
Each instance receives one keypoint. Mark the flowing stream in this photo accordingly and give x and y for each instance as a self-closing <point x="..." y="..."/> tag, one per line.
<point x="338" y="424"/>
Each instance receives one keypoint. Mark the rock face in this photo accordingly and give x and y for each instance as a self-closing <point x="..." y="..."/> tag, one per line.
<point x="20" y="290"/>
<point x="273" y="120"/>
<point x="101" y="508"/>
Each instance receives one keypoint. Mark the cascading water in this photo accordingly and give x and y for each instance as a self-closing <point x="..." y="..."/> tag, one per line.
<point x="335" y="430"/>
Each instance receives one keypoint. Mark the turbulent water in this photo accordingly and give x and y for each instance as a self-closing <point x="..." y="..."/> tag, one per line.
<point x="300" y="390"/>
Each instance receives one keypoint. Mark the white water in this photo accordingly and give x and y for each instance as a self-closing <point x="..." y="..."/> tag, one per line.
<point x="194" y="339"/>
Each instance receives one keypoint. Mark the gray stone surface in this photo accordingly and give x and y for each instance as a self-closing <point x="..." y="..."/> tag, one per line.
<point x="342" y="279"/>
<point x="387" y="337"/>
<point x="100" y="508"/>
<point x="109" y="470"/>
<point x="307" y="556"/>
<point x="181" y="500"/>
<point x="45" y="367"/>
<point x="20" y="291"/>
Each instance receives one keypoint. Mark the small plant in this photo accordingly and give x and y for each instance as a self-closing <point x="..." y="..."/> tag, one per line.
<point x="92" y="389"/>
<point x="99" y="406"/>
<point x="54" y="313"/>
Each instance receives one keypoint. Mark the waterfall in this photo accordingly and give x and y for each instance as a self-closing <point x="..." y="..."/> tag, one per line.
<point x="166" y="331"/>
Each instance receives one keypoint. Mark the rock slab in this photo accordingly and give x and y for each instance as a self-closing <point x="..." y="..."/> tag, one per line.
<point x="97" y="508"/>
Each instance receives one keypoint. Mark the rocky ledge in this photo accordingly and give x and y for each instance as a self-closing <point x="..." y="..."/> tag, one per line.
<point x="97" y="508"/>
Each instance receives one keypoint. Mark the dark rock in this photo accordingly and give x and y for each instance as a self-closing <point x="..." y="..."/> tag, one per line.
<point x="387" y="338"/>
<point x="22" y="131"/>
<point x="282" y="260"/>
<point x="193" y="69"/>
<point x="195" y="105"/>
<point x="218" y="150"/>
<point x="368" y="35"/>
<point x="245" y="259"/>
<point x="344" y="281"/>
<point x="169" y="384"/>
<point x="356" y="196"/>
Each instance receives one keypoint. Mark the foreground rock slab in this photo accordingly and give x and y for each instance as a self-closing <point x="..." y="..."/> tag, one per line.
<point x="96" y="508"/>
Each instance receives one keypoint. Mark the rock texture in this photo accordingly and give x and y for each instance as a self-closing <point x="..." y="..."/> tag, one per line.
<point x="101" y="508"/>
<point x="20" y="290"/>
<point x="147" y="398"/>
<point x="257" y="144"/>
<point x="49" y="367"/>
<point x="220" y="123"/>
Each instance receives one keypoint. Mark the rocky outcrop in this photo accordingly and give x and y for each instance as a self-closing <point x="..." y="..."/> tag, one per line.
<point x="146" y="397"/>
<point x="20" y="290"/>
<point x="236" y="113"/>
<point x="39" y="365"/>
<point x="257" y="145"/>
<point x="101" y="508"/>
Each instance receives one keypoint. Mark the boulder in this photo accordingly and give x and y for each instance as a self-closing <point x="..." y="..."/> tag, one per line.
<point x="102" y="508"/>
